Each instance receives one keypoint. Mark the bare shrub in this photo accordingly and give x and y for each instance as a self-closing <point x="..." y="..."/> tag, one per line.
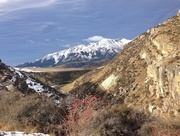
<point x="156" y="128"/>
<point x="31" y="113"/>
<point x="80" y="116"/>
<point x="119" y="120"/>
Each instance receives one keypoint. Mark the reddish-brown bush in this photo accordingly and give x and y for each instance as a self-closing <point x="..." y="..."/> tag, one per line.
<point x="81" y="113"/>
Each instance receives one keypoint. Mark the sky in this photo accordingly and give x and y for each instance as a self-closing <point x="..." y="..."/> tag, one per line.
<point x="31" y="29"/>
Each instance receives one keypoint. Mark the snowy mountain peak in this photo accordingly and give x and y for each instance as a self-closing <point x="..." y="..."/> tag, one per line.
<point x="105" y="49"/>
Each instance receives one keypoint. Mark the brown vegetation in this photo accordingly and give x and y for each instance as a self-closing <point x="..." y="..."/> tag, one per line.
<point x="58" y="78"/>
<point x="77" y="117"/>
<point x="80" y="116"/>
<point x="31" y="113"/>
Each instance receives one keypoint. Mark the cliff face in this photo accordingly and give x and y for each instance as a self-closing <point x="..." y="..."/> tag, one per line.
<point x="161" y="52"/>
<point x="145" y="74"/>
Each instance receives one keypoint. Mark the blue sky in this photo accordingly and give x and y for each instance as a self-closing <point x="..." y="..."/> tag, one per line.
<point x="30" y="29"/>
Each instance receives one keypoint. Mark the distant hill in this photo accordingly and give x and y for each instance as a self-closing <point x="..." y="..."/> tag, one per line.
<point x="94" y="54"/>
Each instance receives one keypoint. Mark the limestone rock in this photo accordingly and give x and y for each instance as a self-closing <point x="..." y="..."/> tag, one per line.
<point x="10" y="88"/>
<point x="178" y="14"/>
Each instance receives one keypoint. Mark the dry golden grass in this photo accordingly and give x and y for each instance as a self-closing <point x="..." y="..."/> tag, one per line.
<point x="56" y="69"/>
<point x="31" y="113"/>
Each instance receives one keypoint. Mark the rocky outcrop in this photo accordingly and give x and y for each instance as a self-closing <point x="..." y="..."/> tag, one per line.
<point x="162" y="55"/>
<point x="13" y="80"/>
<point x="178" y="14"/>
<point x="145" y="74"/>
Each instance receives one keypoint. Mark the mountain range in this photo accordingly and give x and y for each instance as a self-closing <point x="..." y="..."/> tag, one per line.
<point x="100" y="52"/>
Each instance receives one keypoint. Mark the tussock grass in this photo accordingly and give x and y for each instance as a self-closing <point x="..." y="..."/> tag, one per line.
<point x="31" y="113"/>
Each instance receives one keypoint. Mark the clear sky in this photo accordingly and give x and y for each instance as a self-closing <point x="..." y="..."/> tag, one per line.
<point x="30" y="29"/>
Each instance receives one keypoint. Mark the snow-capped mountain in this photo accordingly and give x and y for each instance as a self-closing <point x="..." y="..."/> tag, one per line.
<point x="105" y="49"/>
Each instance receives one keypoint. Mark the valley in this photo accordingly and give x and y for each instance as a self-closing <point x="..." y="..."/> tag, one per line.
<point x="135" y="93"/>
<point x="53" y="69"/>
<point x="57" y="77"/>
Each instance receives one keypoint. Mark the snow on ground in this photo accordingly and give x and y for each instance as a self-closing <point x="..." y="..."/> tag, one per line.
<point x="19" y="73"/>
<point x="34" y="85"/>
<point x="11" y="133"/>
<point x="26" y="70"/>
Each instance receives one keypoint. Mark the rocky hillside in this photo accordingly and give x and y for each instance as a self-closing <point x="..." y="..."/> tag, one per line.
<point x="12" y="79"/>
<point x="145" y="74"/>
<point x="28" y="105"/>
<point x="81" y="55"/>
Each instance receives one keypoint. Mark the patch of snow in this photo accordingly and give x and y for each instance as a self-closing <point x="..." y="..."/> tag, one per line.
<point x="26" y="70"/>
<point x="11" y="133"/>
<point x="49" y="94"/>
<point x="13" y="79"/>
<point x="19" y="73"/>
<point x="34" y="85"/>
<point x="57" y="101"/>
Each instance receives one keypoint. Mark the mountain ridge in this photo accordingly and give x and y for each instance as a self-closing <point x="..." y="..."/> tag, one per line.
<point x="104" y="50"/>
